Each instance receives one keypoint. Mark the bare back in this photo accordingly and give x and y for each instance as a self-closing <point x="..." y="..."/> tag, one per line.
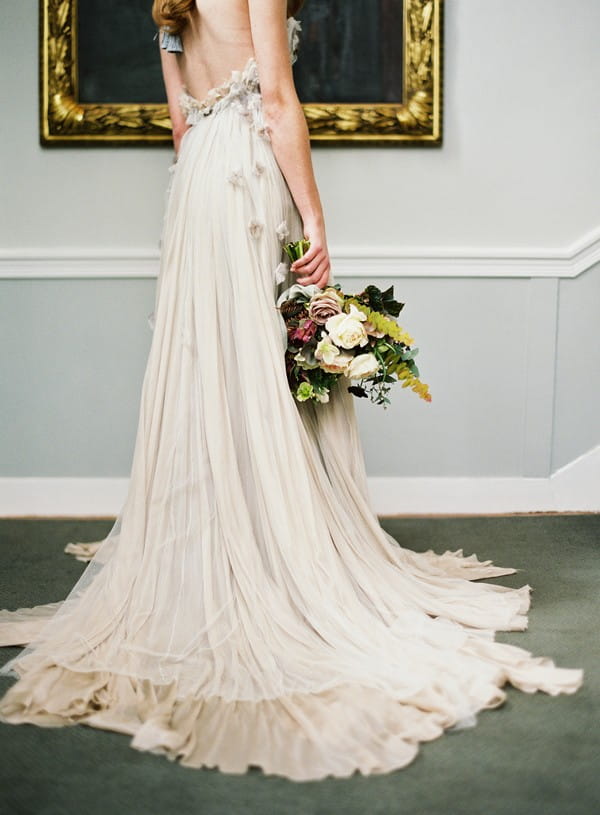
<point x="217" y="41"/>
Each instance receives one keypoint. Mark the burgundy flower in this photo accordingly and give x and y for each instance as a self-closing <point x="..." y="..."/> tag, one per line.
<point x="305" y="331"/>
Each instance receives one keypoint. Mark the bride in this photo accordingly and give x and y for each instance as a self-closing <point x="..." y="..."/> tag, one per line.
<point x="247" y="608"/>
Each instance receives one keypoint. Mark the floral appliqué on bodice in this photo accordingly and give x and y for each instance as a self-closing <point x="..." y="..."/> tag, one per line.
<point x="240" y="92"/>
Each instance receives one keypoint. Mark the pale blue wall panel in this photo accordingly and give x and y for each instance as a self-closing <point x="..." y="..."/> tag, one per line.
<point x="72" y="357"/>
<point x="577" y="406"/>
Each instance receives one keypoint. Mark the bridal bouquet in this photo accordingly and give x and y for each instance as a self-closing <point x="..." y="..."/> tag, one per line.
<point x="332" y="334"/>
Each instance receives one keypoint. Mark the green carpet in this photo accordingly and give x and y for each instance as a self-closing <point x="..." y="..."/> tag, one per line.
<point x="537" y="755"/>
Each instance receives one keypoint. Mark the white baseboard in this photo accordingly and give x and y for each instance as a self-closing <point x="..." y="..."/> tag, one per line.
<point x="62" y="497"/>
<point x="574" y="488"/>
<point x="577" y="484"/>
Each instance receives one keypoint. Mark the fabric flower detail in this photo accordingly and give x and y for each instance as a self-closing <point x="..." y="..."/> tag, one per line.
<point x="236" y="178"/>
<point x="258" y="168"/>
<point x="255" y="228"/>
<point x="280" y="273"/>
<point x="244" y="112"/>
<point x="236" y="85"/>
<point x="282" y="230"/>
<point x="264" y="131"/>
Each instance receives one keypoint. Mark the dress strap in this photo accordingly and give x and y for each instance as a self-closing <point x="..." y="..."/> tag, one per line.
<point x="170" y="42"/>
<point x="293" y="29"/>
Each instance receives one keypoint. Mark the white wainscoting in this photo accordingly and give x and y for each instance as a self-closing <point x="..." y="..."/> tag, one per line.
<point x="475" y="472"/>
<point x="574" y="488"/>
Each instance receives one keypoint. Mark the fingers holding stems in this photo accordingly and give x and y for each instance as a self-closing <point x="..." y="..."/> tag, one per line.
<point x="314" y="266"/>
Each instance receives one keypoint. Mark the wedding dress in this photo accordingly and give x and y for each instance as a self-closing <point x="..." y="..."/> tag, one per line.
<point x="247" y="608"/>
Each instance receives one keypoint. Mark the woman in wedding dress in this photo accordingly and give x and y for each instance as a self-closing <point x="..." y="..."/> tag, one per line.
<point x="247" y="608"/>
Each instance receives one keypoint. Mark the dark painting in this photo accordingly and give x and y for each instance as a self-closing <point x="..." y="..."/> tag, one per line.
<point x="350" y="51"/>
<point x="118" y="54"/>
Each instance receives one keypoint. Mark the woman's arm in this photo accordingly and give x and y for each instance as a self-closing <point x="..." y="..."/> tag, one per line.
<point x="288" y="132"/>
<point x="173" y="86"/>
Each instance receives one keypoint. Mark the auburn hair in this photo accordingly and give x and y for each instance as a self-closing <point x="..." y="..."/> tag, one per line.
<point x="174" y="14"/>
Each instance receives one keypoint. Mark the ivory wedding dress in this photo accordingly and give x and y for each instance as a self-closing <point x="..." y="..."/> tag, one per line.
<point x="247" y="608"/>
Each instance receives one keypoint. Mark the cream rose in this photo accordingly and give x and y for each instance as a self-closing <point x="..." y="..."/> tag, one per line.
<point x="339" y="365"/>
<point x="330" y="357"/>
<point x="324" y="305"/>
<point x="362" y="366"/>
<point x="347" y="330"/>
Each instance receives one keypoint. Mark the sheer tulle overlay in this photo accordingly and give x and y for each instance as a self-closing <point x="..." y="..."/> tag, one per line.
<point x="247" y="608"/>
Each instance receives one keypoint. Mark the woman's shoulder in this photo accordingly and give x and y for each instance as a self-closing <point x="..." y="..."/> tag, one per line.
<point x="172" y="42"/>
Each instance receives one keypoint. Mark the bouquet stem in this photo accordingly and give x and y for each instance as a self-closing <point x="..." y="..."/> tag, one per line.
<point x="296" y="249"/>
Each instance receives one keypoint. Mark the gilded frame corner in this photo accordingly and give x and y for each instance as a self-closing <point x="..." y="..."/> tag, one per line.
<point x="417" y="119"/>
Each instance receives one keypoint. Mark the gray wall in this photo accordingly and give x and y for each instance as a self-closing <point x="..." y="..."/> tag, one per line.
<point x="513" y="362"/>
<point x="577" y="406"/>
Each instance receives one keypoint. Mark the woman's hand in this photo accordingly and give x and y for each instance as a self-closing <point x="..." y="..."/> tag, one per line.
<point x="314" y="265"/>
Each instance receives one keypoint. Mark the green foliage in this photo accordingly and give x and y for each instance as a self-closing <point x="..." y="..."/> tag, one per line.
<point x="387" y="325"/>
<point x="382" y="301"/>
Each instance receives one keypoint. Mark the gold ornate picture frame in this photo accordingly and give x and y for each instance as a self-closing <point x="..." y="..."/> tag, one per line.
<point x="416" y="118"/>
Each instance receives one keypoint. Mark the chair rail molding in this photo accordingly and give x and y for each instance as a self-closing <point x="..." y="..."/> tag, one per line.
<point x="347" y="261"/>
